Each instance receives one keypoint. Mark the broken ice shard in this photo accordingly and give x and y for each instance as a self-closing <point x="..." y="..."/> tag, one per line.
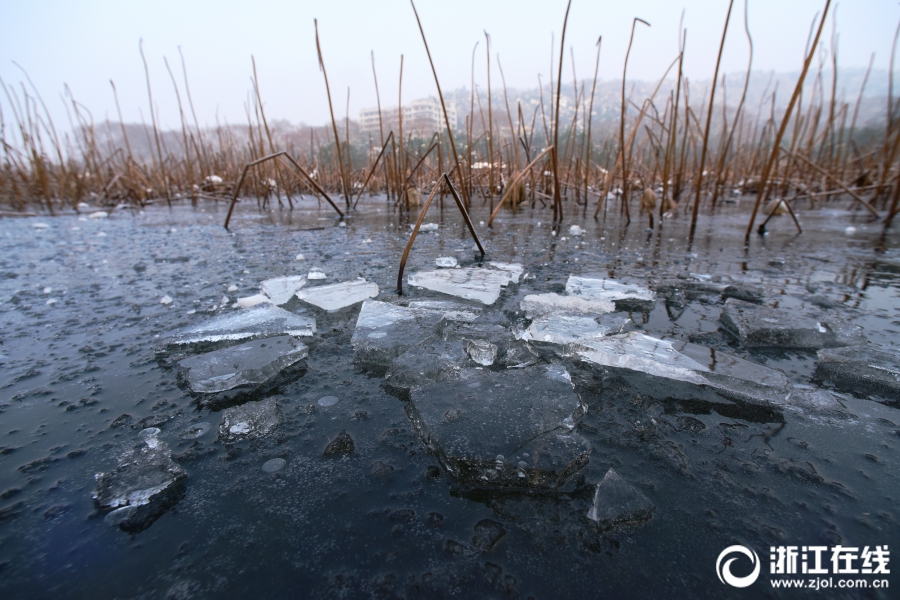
<point x="445" y="262"/>
<point x="514" y="269"/>
<point x="482" y="352"/>
<point x="540" y="305"/>
<point x="572" y="330"/>
<point x="251" y="301"/>
<point x="339" y="295"/>
<point x="254" y="323"/>
<point x="626" y="296"/>
<point x="511" y="429"/>
<point x="430" y="362"/>
<point x="244" y="369"/>
<point x="761" y="326"/>
<point x="481" y="285"/>
<point x="384" y="331"/>
<point x="282" y="289"/>
<point x="616" y="501"/>
<point x="249" y="421"/>
<point x="861" y="370"/>
<point x="691" y="371"/>
<point x="145" y="484"/>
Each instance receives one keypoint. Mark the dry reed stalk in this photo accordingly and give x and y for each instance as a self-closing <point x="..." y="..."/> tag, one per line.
<point x="588" y="149"/>
<point x="515" y="181"/>
<point x="153" y="120"/>
<point x="487" y="53"/>
<point x="777" y="141"/>
<point x="557" y="199"/>
<point x="337" y="141"/>
<point x="443" y="107"/>
<point x="712" y="96"/>
<point x="624" y="160"/>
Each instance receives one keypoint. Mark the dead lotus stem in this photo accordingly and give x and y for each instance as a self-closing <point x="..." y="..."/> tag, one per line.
<point x="512" y="184"/>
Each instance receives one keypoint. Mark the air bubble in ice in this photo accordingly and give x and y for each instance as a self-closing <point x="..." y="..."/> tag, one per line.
<point x="274" y="465"/>
<point x="328" y="401"/>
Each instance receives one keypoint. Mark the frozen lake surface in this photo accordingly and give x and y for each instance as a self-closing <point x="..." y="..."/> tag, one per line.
<point x="722" y="453"/>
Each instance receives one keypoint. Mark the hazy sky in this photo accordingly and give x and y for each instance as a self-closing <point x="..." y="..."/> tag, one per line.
<point x="86" y="43"/>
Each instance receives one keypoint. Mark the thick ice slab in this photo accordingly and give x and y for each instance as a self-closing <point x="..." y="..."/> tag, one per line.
<point x="247" y="367"/>
<point x="253" y="323"/>
<point x="250" y="421"/>
<point x="540" y="305"/>
<point x="515" y="270"/>
<point x="145" y="484"/>
<point x="511" y="429"/>
<point x="607" y="290"/>
<point x="616" y="501"/>
<point x="339" y="295"/>
<point x="861" y="370"/>
<point x="573" y="330"/>
<point x="282" y="289"/>
<point x="481" y="285"/>
<point x="426" y="363"/>
<point x="761" y="326"/>
<point x="384" y="331"/>
<point x="642" y="359"/>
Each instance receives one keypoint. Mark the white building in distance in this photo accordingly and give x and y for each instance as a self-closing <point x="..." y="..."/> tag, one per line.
<point x="423" y="116"/>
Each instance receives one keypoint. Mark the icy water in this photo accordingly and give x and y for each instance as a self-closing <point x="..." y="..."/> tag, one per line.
<point x="80" y="313"/>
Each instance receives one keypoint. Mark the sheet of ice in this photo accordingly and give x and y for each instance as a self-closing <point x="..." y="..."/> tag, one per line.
<point x="145" y="484"/>
<point x="510" y="429"/>
<point x="251" y="301"/>
<point x="316" y="274"/>
<point x="606" y="289"/>
<point x="515" y="269"/>
<point x="540" y="305"/>
<point x="572" y="331"/>
<point x="260" y="321"/>
<point x="445" y="262"/>
<point x="384" y="331"/>
<point x="250" y="421"/>
<point x="638" y="352"/>
<point x="282" y="289"/>
<point x="617" y="501"/>
<point x="703" y="369"/>
<point x="336" y="296"/>
<point x="425" y="227"/>
<point x="762" y="326"/>
<point x="862" y="370"/>
<point x="426" y="363"/>
<point x="248" y="365"/>
<point x="481" y="285"/>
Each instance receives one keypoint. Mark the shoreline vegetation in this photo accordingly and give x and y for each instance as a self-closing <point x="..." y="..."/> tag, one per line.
<point x="670" y="146"/>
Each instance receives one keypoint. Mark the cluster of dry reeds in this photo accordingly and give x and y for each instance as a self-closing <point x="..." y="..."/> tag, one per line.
<point x="667" y="154"/>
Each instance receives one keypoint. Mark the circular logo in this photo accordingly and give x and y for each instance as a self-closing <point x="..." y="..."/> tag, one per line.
<point x="723" y="570"/>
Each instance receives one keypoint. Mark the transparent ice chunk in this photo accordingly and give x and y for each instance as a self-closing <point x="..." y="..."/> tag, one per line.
<point x="540" y="305"/>
<point x="482" y="352"/>
<point x="249" y="365"/>
<point x="515" y="270"/>
<point x="642" y="358"/>
<point x="282" y="289"/>
<point x="339" y="295"/>
<point x="258" y="322"/>
<point x="762" y="326"/>
<point x="503" y="430"/>
<point x="251" y="301"/>
<point x="250" y="421"/>
<point x="384" y="331"/>
<point x="606" y="289"/>
<point x="617" y="501"/>
<point x="145" y="484"/>
<point x="481" y="285"/>
<point x="445" y="262"/>
<point x="861" y="370"/>
<point x="572" y="330"/>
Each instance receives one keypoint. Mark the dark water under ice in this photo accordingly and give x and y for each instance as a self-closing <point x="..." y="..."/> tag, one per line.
<point x="383" y="521"/>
